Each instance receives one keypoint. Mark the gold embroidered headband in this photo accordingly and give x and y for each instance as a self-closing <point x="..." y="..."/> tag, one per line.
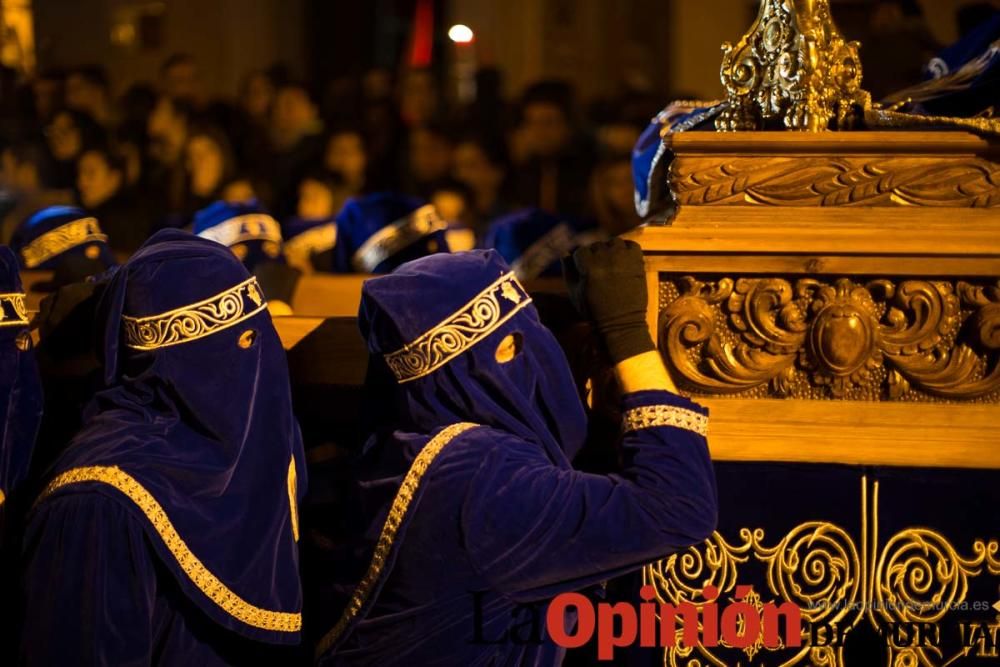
<point x="197" y="320"/>
<point x="61" y="239"/>
<point x="460" y="331"/>
<point x="299" y="249"/>
<point x="249" y="227"/>
<point x="392" y="238"/>
<point x="12" y="310"/>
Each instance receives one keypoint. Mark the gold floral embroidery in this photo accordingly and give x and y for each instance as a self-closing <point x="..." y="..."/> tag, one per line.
<point x="293" y="503"/>
<point x="196" y="320"/>
<point x="12" y="310"/>
<point x="249" y="227"/>
<point x="665" y="415"/>
<point x="61" y="239"/>
<point x="392" y="238"/>
<point x="460" y="331"/>
<point x="397" y="512"/>
<point x="207" y="583"/>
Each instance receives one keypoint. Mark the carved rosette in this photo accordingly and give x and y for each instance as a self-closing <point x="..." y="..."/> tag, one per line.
<point x="772" y="337"/>
<point x="792" y="64"/>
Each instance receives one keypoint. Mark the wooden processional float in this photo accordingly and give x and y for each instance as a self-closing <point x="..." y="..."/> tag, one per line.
<point x="834" y="298"/>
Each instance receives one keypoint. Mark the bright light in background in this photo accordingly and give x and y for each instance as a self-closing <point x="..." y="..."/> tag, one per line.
<point x="460" y="34"/>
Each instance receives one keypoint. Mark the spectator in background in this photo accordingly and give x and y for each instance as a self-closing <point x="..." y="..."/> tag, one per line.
<point x="87" y="90"/>
<point x="453" y="201"/>
<point x="481" y="166"/>
<point x="105" y="195"/>
<point x="252" y="146"/>
<point x="212" y="170"/>
<point x="310" y="235"/>
<point x="69" y="133"/>
<point x="132" y="136"/>
<point x="346" y="156"/>
<point x="180" y="79"/>
<point x="429" y="158"/>
<point x="384" y="138"/>
<point x="257" y="95"/>
<point x="419" y="97"/>
<point x="168" y="128"/>
<point x="554" y="161"/>
<point x="297" y="135"/>
<point x="322" y="193"/>
<point x="24" y="181"/>
<point x="46" y="94"/>
<point x="612" y="197"/>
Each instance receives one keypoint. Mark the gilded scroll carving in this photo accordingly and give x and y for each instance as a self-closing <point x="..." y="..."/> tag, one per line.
<point x="836" y="181"/>
<point x="792" y="64"/>
<point x="806" y="338"/>
<point x="917" y="576"/>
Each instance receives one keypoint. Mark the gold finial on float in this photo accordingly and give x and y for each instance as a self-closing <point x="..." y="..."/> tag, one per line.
<point x="792" y="64"/>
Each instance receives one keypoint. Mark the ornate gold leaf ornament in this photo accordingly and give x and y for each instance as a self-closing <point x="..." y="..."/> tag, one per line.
<point x="808" y="338"/>
<point x="792" y="64"/>
<point x="917" y="576"/>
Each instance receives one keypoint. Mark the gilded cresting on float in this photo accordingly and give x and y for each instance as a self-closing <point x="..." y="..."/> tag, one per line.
<point x="834" y="298"/>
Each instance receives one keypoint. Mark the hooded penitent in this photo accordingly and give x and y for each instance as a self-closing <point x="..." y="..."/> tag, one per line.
<point x="246" y="229"/>
<point x="194" y="435"/>
<point x="433" y="328"/>
<point x="309" y="243"/>
<point x="464" y="503"/>
<point x="378" y="232"/>
<point x="63" y="239"/>
<point x="20" y="387"/>
<point x="533" y="241"/>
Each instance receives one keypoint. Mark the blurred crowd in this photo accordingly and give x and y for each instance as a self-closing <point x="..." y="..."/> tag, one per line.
<point x="156" y="154"/>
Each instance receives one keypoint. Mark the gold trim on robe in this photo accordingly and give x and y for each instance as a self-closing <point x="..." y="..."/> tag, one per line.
<point x="397" y="512"/>
<point x="213" y="588"/>
<point x="665" y="415"/>
<point x="293" y="502"/>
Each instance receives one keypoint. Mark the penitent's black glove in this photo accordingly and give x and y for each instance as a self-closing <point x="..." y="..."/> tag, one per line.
<point x="607" y="283"/>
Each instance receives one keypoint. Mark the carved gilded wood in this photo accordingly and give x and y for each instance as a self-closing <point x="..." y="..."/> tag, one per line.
<point x="792" y="64"/>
